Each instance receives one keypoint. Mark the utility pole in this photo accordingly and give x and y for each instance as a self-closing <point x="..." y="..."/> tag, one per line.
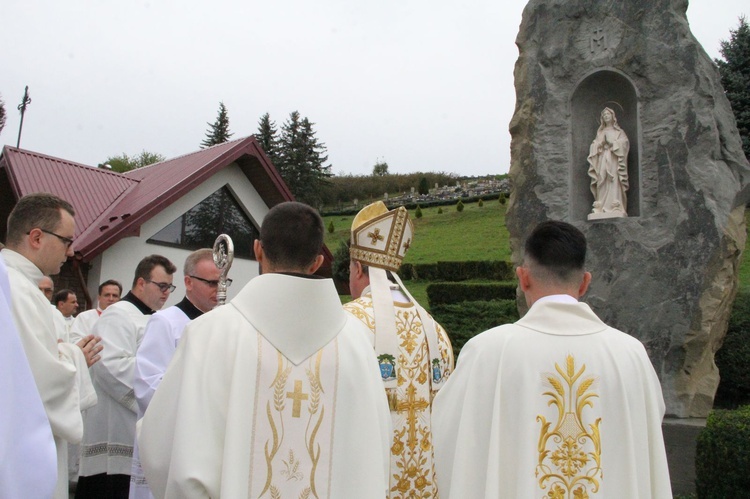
<point x="22" y="107"/>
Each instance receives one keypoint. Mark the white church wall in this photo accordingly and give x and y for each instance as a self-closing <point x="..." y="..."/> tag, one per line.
<point x="119" y="261"/>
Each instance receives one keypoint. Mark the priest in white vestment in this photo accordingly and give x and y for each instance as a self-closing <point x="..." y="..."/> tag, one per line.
<point x="275" y="394"/>
<point x="413" y="350"/>
<point x="40" y="233"/>
<point x="163" y="332"/>
<point x="556" y="405"/>
<point x="27" y="448"/>
<point x="109" y="293"/>
<point x="109" y="427"/>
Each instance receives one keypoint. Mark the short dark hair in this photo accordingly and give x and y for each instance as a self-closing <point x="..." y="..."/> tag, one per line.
<point x="40" y="209"/>
<point x="145" y="266"/>
<point x="62" y="295"/>
<point x="292" y="235"/>
<point x="110" y="282"/>
<point x="558" y="247"/>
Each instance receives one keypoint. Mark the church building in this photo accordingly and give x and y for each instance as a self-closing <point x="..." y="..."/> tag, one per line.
<point x="169" y="208"/>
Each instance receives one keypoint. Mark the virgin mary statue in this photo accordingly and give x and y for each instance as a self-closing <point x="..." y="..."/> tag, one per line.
<point x="608" y="168"/>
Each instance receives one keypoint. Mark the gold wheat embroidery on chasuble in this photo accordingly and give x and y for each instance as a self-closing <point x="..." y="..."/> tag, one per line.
<point x="293" y="424"/>
<point x="569" y="465"/>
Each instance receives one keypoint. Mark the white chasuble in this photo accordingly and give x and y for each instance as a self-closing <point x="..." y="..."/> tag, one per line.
<point x="275" y="394"/>
<point x="556" y="405"/>
<point x="295" y="423"/>
<point x="59" y="370"/>
<point x="412" y="470"/>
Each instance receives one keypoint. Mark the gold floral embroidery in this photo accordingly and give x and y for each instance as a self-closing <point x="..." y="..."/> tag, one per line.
<point x="569" y="453"/>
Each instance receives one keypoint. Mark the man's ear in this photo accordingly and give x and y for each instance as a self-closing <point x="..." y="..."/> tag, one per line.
<point x="35" y="238"/>
<point x="258" y="250"/>
<point x="584" y="284"/>
<point x="523" y="278"/>
<point x="316" y="264"/>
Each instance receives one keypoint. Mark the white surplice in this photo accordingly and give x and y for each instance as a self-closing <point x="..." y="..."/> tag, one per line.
<point x="558" y="403"/>
<point x="110" y="425"/>
<point x="276" y="394"/>
<point x="27" y="448"/>
<point x="160" y="339"/>
<point x="59" y="369"/>
<point x="83" y="324"/>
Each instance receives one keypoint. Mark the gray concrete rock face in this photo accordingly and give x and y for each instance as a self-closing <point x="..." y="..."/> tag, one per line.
<point x="666" y="274"/>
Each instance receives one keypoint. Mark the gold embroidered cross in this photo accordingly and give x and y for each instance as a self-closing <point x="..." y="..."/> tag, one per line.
<point x="375" y="236"/>
<point x="411" y="406"/>
<point x="298" y="397"/>
<point x="407" y="244"/>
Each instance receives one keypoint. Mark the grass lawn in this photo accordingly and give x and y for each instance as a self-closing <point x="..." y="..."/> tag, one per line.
<point x="473" y="234"/>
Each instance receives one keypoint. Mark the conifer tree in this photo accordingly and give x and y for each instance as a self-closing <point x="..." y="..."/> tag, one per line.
<point x="302" y="160"/>
<point x="2" y="115"/>
<point x="218" y="132"/>
<point x="735" y="77"/>
<point x="268" y="138"/>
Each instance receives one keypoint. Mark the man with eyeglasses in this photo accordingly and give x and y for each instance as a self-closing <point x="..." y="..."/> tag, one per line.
<point x="163" y="332"/>
<point x="109" y="427"/>
<point x="41" y="228"/>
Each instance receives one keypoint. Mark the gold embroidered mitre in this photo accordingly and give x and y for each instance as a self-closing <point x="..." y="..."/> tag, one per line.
<point x="380" y="238"/>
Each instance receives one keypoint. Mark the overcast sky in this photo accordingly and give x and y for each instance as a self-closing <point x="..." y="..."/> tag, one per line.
<point x="425" y="85"/>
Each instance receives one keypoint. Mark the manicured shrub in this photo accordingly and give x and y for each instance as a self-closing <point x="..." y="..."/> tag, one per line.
<point x="460" y="206"/>
<point x="502" y="199"/>
<point x="458" y="271"/>
<point x="480" y="203"/>
<point x="722" y="458"/>
<point x="448" y="292"/>
<point x="340" y="268"/>
<point x="418" y="213"/>
<point x="733" y="358"/>
<point x="440" y="210"/>
<point x="331" y="228"/>
<point x="463" y="321"/>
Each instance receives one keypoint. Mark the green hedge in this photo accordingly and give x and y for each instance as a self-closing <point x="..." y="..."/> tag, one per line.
<point x="722" y="459"/>
<point x="458" y="271"/>
<point x="448" y="292"/>
<point x="462" y="321"/>
<point x="733" y="358"/>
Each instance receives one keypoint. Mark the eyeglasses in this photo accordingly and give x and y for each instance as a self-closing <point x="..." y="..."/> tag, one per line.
<point x="213" y="284"/>
<point x="66" y="240"/>
<point x="164" y="287"/>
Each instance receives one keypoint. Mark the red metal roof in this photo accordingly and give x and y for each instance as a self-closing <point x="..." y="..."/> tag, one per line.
<point x="110" y="206"/>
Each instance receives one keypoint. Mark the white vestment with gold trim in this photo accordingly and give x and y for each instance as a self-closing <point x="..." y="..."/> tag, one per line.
<point x="556" y="405"/>
<point x="59" y="369"/>
<point x="275" y="394"/>
<point x="412" y="472"/>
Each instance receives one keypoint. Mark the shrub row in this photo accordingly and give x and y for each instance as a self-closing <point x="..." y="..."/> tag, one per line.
<point x="462" y="321"/>
<point x="458" y="271"/>
<point x="447" y="292"/>
<point x="722" y="457"/>
<point x="423" y="204"/>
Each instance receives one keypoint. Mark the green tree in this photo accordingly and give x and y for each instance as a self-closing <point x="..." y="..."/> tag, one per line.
<point x="735" y="77"/>
<point x="3" y="116"/>
<point x="380" y="169"/>
<point x="218" y="132"/>
<point x="424" y="186"/>
<point x="268" y="138"/>
<point x="418" y="213"/>
<point x="331" y="228"/>
<point x="459" y="206"/>
<point x="124" y="163"/>
<point x="302" y="159"/>
<point x="480" y="203"/>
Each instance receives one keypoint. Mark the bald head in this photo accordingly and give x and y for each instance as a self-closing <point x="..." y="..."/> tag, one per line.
<point x="47" y="287"/>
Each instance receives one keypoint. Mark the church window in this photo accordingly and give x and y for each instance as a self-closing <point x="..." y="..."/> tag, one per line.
<point x="219" y="213"/>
